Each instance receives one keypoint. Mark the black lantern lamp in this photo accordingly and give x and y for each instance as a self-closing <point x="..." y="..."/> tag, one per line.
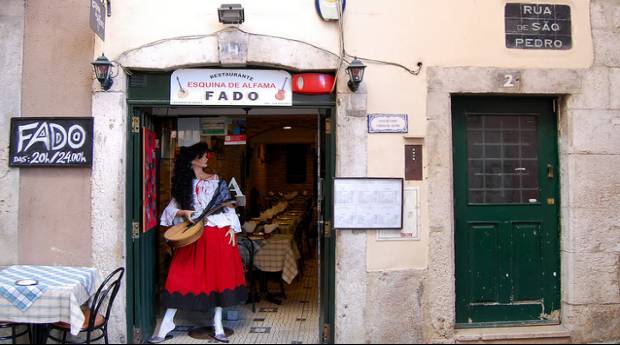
<point x="356" y="74"/>
<point x="103" y="70"/>
<point x="231" y="14"/>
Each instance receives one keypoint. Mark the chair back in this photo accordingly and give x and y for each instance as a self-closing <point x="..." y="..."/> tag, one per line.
<point x="105" y="295"/>
<point x="244" y="242"/>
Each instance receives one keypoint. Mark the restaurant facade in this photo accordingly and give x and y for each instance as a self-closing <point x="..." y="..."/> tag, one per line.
<point x="497" y="124"/>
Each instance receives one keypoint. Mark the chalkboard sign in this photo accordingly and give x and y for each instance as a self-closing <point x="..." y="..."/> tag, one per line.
<point x="368" y="203"/>
<point x="538" y="26"/>
<point x="51" y="142"/>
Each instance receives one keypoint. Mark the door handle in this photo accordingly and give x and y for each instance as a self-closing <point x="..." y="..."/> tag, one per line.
<point x="550" y="173"/>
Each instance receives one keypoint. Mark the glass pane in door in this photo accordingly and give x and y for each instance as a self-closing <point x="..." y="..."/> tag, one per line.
<point x="502" y="159"/>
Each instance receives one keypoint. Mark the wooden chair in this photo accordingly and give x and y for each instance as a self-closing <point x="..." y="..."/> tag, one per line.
<point x="14" y="333"/>
<point x="94" y="320"/>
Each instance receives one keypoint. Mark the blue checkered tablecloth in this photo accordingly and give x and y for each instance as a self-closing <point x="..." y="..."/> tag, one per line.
<point x="23" y="297"/>
<point x="58" y="296"/>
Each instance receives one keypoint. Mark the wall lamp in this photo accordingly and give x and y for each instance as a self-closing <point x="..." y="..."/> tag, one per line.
<point x="231" y="14"/>
<point x="103" y="71"/>
<point x="355" y="70"/>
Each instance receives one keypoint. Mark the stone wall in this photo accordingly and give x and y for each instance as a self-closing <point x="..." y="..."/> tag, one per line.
<point x="371" y="307"/>
<point x="108" y="191"/>
<point x="591" y="159"/>
<point x="11" y="60"/>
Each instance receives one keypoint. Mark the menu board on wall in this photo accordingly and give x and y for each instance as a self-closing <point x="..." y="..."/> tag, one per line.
<point x="368" y="203"/>
<point x="51" y="142"/>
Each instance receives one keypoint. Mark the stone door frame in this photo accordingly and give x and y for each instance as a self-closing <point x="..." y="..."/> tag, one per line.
<point x="228" y="48"/>
<point x="440" y="297"/>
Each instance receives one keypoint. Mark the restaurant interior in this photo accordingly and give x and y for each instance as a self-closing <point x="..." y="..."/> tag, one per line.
<point x="273" y="158"/>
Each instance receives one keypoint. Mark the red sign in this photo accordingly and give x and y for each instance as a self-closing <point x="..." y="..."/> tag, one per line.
<point x="235" y="139"/>
<point x="313" y="83"/>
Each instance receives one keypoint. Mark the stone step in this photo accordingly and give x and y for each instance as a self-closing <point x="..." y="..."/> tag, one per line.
<point x="556" y="334"/>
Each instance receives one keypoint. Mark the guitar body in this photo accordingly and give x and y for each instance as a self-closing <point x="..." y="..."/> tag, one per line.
<point x="184" y="234"/>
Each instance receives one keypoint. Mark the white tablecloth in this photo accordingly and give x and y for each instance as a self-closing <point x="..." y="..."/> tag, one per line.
<point x="278" y="253"/>
<point x="62" y="300"/>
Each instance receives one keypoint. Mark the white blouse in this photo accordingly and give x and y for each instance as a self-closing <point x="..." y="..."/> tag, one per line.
<point x="203" y="191"/>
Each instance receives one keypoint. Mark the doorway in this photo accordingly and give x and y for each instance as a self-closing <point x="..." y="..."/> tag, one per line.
<point x="280" y="159"/>
<point x="506" y="194"/>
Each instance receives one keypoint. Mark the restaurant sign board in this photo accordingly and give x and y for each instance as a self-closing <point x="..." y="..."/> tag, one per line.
<point x="51" y="142"/>
<point x="97" y="18"/>
<point x="233" y="87"/>
<point x="538" y="26"/>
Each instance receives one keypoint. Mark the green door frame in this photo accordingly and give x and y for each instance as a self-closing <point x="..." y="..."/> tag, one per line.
<point x="158" y="95"/>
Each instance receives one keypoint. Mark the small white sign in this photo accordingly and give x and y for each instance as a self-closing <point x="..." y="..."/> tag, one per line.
<point x="245" y="87"/>
<point x="411" y="222"/>
<point x="214" y="126"/>
<point x="388" y="123"/>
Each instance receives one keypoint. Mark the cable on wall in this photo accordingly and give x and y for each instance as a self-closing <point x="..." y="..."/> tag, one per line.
<point x="342" y="56"/>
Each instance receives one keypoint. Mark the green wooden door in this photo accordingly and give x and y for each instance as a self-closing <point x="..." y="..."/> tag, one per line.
<point x="142" y="245"/>
<point x="506" y="203"/>
<point x="327" y="241"/>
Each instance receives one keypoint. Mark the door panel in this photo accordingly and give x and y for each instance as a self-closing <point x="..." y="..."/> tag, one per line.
<point x="506" y="233"/>
<point x="526" y="261"/>
<point x="484" y="239"/>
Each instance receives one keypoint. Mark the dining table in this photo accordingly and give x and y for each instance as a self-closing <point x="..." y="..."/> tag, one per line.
<point x="43" y="295"/>
<point x="278" y="253"/>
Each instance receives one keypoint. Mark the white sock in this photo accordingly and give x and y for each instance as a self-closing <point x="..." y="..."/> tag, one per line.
<point x="167" y="324"/>
<point x="217" y="321"/>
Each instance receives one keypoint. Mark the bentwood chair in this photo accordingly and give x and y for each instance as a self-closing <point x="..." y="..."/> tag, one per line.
<point x="95" y="320"/>
<point x="14" y="332"/>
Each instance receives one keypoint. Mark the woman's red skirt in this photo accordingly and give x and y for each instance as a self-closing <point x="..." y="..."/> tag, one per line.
<point x="206" y="274"/>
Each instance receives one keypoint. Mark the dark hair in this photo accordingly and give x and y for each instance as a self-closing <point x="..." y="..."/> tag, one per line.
<point x="182" y="181"/>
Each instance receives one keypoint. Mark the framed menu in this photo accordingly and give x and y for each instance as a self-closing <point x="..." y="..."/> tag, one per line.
<point x="368" y="203"/>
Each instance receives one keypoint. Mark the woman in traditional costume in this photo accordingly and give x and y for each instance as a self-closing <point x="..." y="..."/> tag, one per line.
<point x="208" y="273"/>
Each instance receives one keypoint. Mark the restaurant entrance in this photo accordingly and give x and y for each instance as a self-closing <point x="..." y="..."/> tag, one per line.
<point x="279" y="162"/>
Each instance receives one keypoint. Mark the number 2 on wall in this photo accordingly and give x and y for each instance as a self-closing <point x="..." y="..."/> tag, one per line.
<point x="510" y="80"/>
